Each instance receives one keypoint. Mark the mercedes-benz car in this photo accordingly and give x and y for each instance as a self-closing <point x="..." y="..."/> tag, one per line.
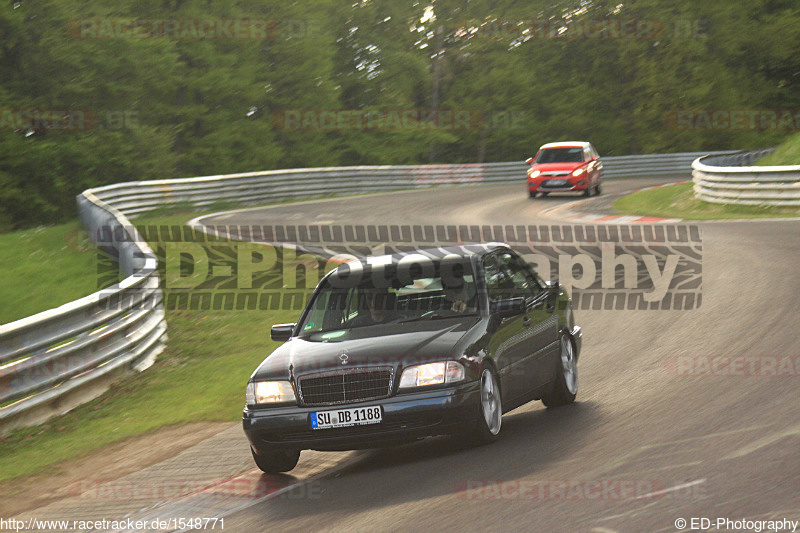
<point x="571" y="166"/>
<point x="406" y="346"/>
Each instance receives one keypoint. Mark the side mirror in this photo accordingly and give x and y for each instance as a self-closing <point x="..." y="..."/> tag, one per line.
<point x="508" y="308"/>
<point x="529" y="160"/>
<point x="281" y="332"/>
<point x="552" y="284"/>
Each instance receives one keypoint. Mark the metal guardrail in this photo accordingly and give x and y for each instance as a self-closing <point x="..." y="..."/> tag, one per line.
<point x="732" y="179"/>
<point x="57" y="359"/>
<point x="259" y="187"/>
<point x="53" y="361"/>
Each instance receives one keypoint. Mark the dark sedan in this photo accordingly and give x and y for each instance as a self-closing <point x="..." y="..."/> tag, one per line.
<point x="400" y="347"/>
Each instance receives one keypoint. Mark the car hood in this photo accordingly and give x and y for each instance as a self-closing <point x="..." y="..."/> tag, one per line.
<point x="396" y="346"/>
<point x="557" y="166"/>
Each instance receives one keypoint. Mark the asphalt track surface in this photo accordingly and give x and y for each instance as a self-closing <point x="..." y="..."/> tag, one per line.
<point x="693" y="445"/>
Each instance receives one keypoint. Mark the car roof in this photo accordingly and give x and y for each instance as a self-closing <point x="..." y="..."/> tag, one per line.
<point x="565" y="144"/>
<point x="464" y="250"/>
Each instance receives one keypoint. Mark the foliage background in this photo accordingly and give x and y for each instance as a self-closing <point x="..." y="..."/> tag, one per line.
<point x="203" y="107"/>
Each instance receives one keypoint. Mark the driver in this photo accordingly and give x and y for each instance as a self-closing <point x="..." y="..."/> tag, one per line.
<point x="459" y="298"/>
<point x="379" y="305"/>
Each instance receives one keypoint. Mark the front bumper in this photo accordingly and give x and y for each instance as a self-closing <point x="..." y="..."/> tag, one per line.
<point x="539" y="185"/>
<point x="405" y="418"/>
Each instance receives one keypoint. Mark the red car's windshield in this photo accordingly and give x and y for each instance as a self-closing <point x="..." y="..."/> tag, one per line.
<point x="561" y="155"/>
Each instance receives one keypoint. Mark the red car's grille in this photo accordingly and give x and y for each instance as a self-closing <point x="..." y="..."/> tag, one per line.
<point x="556" y="184"/>
<point x="344" y="386"/>
<point x="556" y="173"/>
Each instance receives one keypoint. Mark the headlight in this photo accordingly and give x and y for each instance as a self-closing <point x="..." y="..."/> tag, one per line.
<point x="579" y="171"/>
<point x="432" y="374"/>
<point x="534" y="174"/>
<point x="259" y="392"/>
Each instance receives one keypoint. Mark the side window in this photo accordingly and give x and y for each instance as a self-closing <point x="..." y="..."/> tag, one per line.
<point x="524" y="280"/>
<point x="498" y="284"/>
<point x="587" y="154"/>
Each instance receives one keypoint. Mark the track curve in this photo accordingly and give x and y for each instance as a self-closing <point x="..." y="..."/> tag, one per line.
<point x="698" y="446"/>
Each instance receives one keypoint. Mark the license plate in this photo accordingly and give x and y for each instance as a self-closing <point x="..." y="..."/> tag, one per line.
<point x="556" y="183"/>
<point x="342" y="418"/>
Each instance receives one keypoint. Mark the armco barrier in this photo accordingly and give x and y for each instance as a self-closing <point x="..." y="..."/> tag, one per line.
<point x="53" y="361"/>
<point x="732" y="179"/>
<point x="57" y="359"/>
<point x="260" y="187"/>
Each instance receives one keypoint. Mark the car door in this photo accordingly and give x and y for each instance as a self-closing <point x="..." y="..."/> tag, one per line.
<point x="540" y="321"/>
<point x="515" y="343"/>
<point x="506" y="344"/>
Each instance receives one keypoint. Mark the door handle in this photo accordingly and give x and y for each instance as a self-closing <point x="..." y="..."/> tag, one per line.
<point x="526" y="321"/>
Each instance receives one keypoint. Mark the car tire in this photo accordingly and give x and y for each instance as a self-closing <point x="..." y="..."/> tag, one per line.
<point x="565" y="386"/>
<point x="597" y="190"/>
<point x="532" y="194"/>
<point x="276" y="461"/>
<point x="490" y="409"/>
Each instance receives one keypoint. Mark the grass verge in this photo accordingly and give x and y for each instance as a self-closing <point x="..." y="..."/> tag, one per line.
<point x="200" y="377"/>
<point x="788" y="153"/>
<point x="49" y="266"/>
<point x="678" y="201"/>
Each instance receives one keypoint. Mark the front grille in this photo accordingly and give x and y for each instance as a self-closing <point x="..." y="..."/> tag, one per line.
<point x="344" y="386"/>
<point x="556" y="184"/>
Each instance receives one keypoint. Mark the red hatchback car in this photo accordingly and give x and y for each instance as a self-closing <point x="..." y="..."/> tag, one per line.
<point x="572" y="166"/>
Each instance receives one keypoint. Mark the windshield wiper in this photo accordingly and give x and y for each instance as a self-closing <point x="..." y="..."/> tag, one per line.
<point x="436" y="316"/>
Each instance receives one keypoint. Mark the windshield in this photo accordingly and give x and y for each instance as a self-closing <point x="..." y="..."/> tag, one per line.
<point x="389" y="297"/>
<point x="561" y="155"/>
